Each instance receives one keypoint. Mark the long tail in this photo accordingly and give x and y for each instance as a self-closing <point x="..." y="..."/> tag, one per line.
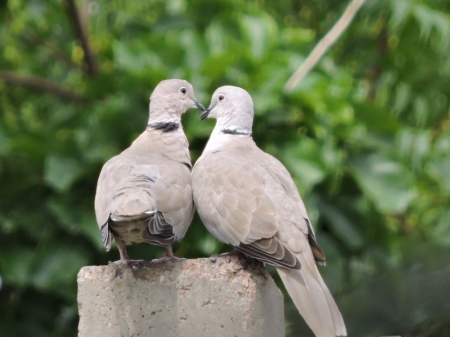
<point x="312" y="298"/>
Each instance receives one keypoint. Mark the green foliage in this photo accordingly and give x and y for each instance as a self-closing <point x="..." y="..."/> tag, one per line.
<point x="365" y="136"/>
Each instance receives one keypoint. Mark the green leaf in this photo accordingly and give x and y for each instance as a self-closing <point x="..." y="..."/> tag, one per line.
<point x="386" y="182"/>
<point x="376" y="120"/>
<point x="342" y="226"/>
<point x="425" y="18"/>
<point x="400" y="11"/>
<point x="61" y="172"/>
<point x="136" y="57"/>
<point x="414" y="145"/>
<point x="442" y="230"/>
<point x="403" y="93"/>
<point x="297" y="35"/>
<point x="439" y="163"/>
<point x="77" y="220"/>
<point x="17" y="265"/>
<point x="3" y="143"/>
<point x="439" y="168"/>
<point x="259" y="33"/>
<point x="305" y="163"/>
<point x="193" y="46"/>
<point x="51" y="263"/>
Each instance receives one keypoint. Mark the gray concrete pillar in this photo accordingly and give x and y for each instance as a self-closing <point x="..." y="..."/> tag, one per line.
<point x="192" y="298"/>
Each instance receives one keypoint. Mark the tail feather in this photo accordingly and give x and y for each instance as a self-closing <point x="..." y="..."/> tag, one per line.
<point x="310" y="265"/>
<point x="339" y="325"/>
<point x="312" y="298"/>
<point x="309" y="300"/>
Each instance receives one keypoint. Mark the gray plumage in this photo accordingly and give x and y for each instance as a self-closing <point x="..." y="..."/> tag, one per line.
<point x="247" y="198"/>
<point x="144" y="194"/>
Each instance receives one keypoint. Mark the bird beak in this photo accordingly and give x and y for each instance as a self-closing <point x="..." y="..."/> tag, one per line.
<point x="205" y="113"/>
<point x="199" y="105"/>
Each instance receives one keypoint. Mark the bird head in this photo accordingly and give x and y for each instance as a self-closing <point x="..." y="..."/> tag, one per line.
<point x="233" y="109"/>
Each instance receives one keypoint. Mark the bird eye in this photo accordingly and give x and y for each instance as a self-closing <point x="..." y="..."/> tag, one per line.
<point x="183" y="90"/>
<point x="221" y="97"/>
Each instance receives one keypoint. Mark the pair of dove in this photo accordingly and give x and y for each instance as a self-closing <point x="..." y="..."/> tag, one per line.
<point x="244" y="196"/>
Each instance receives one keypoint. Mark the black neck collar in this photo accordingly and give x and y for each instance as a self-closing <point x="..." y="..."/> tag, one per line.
<point x="236" y="132"/>
<point x="165" y="126"/>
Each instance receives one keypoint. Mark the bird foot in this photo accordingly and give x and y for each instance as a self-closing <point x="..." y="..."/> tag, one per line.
<point x="168" y="257"/>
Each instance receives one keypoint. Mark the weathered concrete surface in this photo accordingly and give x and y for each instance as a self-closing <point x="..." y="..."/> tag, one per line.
<point x="222" y="296"/>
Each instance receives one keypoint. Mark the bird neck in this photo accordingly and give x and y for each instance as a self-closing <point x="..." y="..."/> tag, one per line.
<point x="164" y="112"/>
<point x="220" y="141"/>
<point x="227" y="126"/>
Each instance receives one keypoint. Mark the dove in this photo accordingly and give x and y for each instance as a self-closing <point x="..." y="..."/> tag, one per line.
<point x="246" y="198"/>
<point x="144" y="194"/>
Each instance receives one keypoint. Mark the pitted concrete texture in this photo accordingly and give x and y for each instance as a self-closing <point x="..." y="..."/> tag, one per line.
<point x="219" y="296"/>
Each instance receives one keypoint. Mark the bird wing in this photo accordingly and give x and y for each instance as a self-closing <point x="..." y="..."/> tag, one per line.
<point x="295" y="231"/>
<point x="305" y="286"/>
<point x="146" y="183"/>
<point x="232" y="202"/>
<point x="112" y="173"/>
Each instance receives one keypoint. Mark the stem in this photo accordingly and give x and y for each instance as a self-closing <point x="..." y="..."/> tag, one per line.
<point x="324" y="44"/>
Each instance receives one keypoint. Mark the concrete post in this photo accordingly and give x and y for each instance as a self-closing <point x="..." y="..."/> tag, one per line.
<point x="219" y="296"/>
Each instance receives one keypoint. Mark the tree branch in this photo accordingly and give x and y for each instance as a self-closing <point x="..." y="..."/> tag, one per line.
<point x="89" y="56"/>
<point x="324" y="44"/>
<point x="41" y="84"/>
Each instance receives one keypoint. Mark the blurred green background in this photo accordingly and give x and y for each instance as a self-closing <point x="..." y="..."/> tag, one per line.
<point x="365" y="136"/>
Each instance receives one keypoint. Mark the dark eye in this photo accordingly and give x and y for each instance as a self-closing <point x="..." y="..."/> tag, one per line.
<point x="183" y="90"/>
<point x="221" y="97"/>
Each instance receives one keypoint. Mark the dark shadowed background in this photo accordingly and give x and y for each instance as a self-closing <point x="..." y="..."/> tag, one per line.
<point x="365" y="136"/>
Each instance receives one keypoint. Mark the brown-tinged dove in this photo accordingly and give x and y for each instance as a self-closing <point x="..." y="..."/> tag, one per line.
<point x="247" y="198"/>
<point x="144" y="194"/>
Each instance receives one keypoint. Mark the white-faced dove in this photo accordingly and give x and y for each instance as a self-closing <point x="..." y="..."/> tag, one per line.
<point x="247" y="199"/>
<point x="144" y="194"/>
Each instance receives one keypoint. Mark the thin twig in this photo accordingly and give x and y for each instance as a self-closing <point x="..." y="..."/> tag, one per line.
<point x="324" y="44"/>
<point x="42" y="85"/>
<point x="80" y="31"/>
